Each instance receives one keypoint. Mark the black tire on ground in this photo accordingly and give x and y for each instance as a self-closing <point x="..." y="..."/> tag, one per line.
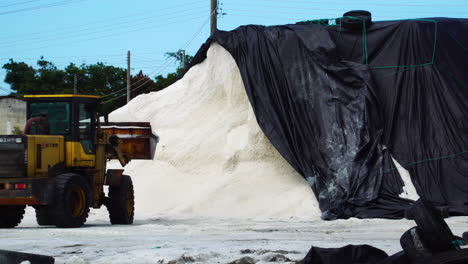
<point x="413" y="246"/>
<point x="356" y="20"/>
<point x="11" y="215"/>
<point x="43" y="215"/>
<point x="8" y="257"/>
<point x="397" y="258"/>
<point x="449" y="257"/>
<point x="435" y="232"/>
<point x="465" y="238"/>
<point x="71" y="200"/>
<point x="121" y="202"/>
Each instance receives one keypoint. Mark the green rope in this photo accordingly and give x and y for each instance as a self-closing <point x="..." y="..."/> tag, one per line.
<point x="339" y="32"/>
<point x="407" y="69"/>
<point x="322" y="21"/>
<point x="457" y="244"/>
<point x="364" y="42"/>
<point x="426" y="160"/>
<point x="435" y="42"/>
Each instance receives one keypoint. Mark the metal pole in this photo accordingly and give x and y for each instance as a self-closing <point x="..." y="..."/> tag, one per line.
<point x="75" y="84"/>
<point x="214" y="15"/>
<point x="128" y="76"/>
<point x="183" y="59"/>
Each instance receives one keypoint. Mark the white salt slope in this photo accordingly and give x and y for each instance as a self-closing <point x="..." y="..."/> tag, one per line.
<point x="212" y="159"/>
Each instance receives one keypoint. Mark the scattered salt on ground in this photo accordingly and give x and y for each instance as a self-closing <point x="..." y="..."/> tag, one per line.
<point x="212" y="158"/>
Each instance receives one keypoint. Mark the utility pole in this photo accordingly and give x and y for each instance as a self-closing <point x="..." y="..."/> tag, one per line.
<point x="183" y="59"/>
<point x="75" y="84"/>
<point x="128" y="77"/>
<point x="214" y="15"/>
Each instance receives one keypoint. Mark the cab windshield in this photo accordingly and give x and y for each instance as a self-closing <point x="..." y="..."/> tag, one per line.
<point x="57" y="113"/>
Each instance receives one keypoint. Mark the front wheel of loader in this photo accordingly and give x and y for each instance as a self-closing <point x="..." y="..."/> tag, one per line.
<point x="71" y="201"/>
<point x="121" y="202"/>
<point x="11" y="215"/>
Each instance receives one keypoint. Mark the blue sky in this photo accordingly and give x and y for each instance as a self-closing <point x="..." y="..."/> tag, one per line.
<point x="88" y="31"/>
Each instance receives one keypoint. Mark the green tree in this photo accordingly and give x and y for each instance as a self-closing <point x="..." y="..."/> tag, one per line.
<point x="50" y="79"/>
<point x="141" y="83"/>
<point x="21" y="77"/>
<point x="180" y="55"/>
<point x="94" y="79"/>
<point x="165" y="81"/>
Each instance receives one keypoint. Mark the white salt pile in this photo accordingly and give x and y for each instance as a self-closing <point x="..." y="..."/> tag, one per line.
<point x="212" y="158"/>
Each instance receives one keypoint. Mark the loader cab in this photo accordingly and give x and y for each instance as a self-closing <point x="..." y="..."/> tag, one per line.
<point x="71" y="116"/>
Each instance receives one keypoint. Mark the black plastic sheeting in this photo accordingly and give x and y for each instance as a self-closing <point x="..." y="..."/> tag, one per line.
<point x="351" y="254"/>
<point x="337" y="103"/>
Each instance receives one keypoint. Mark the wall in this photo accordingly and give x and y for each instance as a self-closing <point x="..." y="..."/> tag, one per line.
<point x="11" y="110"/>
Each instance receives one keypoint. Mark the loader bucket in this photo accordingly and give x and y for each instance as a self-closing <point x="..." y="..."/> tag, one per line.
<point x="136" y="140"/>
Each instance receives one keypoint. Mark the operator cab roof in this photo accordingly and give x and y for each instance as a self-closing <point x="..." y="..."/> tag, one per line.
<point x="62" y="96"/>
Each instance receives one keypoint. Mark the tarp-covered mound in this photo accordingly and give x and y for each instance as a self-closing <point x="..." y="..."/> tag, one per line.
<point x="336" y="103"/>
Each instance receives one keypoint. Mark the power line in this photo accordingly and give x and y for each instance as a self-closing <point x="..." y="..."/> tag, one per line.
<point x="153" y="72"/>
<point x="166" y="64"/>
<point x="25" y="2"/>
<point x="117" y="33"/>
<point x="41" y="7"/>
<point x="308" y="14"/>
<point x="186" y="45"/>
<point x="91" y="57"/>
<point x="135" y="82"/>
<point x="324" y="9"/>
<point x="371" y="4"/>
<point x="5" y="90"/>
<point x="101" y="30"/>
<point x="97" y="22"/>
<point x="65" y="57"/>
<point x="289" y="19"/>
<point x="134" y="89"/>
<point x="10" y="93"/>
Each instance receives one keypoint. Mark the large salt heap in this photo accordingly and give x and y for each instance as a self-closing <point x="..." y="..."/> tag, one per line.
<point x="212" y="158"/>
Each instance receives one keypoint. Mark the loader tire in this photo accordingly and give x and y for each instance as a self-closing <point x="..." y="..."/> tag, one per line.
<point x="11" y="215"/>
<point x="121" y="202"/>
<point x="71" y="200"/>
<point x="413" y="245"/>
<point x="435" y="232"/>
<point x="448" y="257"/>
<point x="356" y="20"/>
<point x="43" y="216"/>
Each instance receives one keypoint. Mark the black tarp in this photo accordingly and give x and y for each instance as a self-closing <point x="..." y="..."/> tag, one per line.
<point x="350" y="254"/>
<point x="336" y="103"/>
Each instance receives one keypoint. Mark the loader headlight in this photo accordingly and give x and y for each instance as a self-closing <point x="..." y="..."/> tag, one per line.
<point x="11" y="140"/>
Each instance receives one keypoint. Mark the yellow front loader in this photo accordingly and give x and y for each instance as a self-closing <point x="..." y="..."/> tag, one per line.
<point x="58" y="165"/>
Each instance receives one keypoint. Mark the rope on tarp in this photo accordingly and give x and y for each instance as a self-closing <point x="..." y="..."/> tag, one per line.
<point x="365" y="55"/>
<point x="427" y="160"/>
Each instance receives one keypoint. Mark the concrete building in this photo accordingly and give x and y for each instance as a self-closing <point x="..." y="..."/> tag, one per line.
<point x="12" y="114"/>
